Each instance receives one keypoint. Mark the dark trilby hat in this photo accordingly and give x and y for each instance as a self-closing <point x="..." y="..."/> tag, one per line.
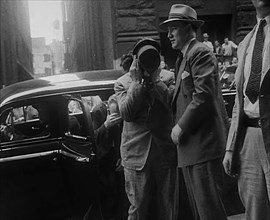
<point x="145" y="42"/>
<point x="147" y="51"/>
<point x="180" y="12"/>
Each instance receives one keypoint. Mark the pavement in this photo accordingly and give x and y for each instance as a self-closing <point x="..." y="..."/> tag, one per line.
<point x="237" y="217"/>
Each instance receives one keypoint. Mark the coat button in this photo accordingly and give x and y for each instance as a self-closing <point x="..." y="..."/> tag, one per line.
<point x="261" y="96"/>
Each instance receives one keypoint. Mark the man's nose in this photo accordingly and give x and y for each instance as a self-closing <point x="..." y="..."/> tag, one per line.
<point x="169" y="35"/>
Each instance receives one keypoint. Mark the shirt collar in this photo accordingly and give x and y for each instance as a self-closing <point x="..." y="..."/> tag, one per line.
<point x="267" y="19"/>
<point x="185" y="47"/>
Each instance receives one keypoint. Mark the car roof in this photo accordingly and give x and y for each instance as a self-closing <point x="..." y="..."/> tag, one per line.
<point x="59" y="84"/>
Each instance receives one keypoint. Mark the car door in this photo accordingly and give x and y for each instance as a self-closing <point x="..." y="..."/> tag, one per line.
<point x="34" y="174"/>
<point x="79" y="141"/>
<point x="79" y="134"/>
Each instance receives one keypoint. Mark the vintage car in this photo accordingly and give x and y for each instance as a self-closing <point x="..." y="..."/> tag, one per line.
<point x="48" y="166"/>
<point x="48" y="163"/>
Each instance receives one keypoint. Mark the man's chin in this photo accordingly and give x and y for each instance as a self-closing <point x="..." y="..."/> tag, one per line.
<point x="174" y="46"/>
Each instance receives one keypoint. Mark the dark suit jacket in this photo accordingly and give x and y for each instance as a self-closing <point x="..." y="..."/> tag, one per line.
<point x="107" y="139"/>
<point x="237" y="129"/>
<point x="199" y="108"/>
<point x="146" y="120"/>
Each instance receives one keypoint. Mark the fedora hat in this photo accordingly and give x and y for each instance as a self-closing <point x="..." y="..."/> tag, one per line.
<point x="180" y="12"/>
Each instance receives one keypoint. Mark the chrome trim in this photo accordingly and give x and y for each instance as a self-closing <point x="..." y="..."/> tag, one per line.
<point x="43" y="154"/>
<point x="14" y="145"/>
<point x="227" y="94"/>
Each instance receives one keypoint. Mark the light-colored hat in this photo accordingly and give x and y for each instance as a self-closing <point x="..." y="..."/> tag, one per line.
<point x="180" y="12"/>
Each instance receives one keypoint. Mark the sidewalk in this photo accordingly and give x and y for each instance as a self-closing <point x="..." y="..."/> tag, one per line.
<point x="237" y="217"/>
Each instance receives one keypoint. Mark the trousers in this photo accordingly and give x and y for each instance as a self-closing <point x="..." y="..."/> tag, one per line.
<point x="152" y="191"/>
<point x="204" y="182"/>
<point x="254" y="176"/>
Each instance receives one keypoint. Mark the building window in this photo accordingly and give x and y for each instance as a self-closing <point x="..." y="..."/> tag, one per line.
<point x="47" y="58"/>
<point x="48" y="71"/>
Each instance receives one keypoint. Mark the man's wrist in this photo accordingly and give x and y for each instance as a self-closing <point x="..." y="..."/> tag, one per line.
<point x="106" y="124"/>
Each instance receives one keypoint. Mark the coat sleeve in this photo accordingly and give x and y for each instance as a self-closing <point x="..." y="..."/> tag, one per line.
<point x="235" y="112"/>
<point x="129" y="98"/>
<point x="163" y="92"/>
<point x="232" y="132"/>
<point x="203" y="68"/>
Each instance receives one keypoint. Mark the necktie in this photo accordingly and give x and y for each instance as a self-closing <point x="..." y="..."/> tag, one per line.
<point x="178" y="63"/>
<point x="253" y="85"/>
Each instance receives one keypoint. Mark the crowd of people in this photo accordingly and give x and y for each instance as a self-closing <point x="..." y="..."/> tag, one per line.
<point x="174" y="137"/>
<point x="226" y="55"/>
<point x="224" y="52"/>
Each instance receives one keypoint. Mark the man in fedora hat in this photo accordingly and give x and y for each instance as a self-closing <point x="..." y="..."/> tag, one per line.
<point x="197" y="104"/>
<point x="148" y="154"/>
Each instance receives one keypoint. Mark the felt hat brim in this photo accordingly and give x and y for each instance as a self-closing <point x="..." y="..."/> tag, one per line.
<point x="174" y="21"/>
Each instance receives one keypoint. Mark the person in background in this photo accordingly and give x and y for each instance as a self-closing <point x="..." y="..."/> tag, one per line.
<point x="248" y="146"/>
<point x="207" y="42"/>
<point x="228" y="48"/>
<point x="234" y="61"/>
<point x="220" y="68"/>
<point x="218" y="51"/>
<point x="126" y="61"/>
<point x="200" y="116"/>
<point x="107" y="125"/>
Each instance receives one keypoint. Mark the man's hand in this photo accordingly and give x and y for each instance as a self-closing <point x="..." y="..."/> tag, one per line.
<point x="176" y="134"/>
<point x="227" y="163"/>
<point x="118" y="166"/>
<point x="112" y="120"/>
<point x="135" y="72"/>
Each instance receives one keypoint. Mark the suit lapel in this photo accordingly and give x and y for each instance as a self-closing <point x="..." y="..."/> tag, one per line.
<point x="179" y="77"/>
<point x="181" y="69"/>
<point x="266" y="65"/>
<point x="239" y="75"/>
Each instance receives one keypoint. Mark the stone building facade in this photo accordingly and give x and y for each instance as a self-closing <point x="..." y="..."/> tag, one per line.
<point x="43" y="60"/>
<point x="57" y="51"/>
<point x="88" y="34"/>
<point x="16" y="50"/>
<point x="105" y="30"/>
<point x="245" y="18"/>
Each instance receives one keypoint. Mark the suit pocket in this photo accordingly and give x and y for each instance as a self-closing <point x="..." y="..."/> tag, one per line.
<point x="185" y="74"/>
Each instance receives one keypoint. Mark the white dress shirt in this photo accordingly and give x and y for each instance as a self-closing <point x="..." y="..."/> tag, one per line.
<point x="209" y="44"/>
<point x="252" y="110"/>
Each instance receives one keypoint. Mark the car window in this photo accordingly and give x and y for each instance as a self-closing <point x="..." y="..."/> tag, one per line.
<point x="92" y="101"/>
<point x="77" y="117"/>
<point x="74" y="106"/>
<point x="23" y="122"/>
